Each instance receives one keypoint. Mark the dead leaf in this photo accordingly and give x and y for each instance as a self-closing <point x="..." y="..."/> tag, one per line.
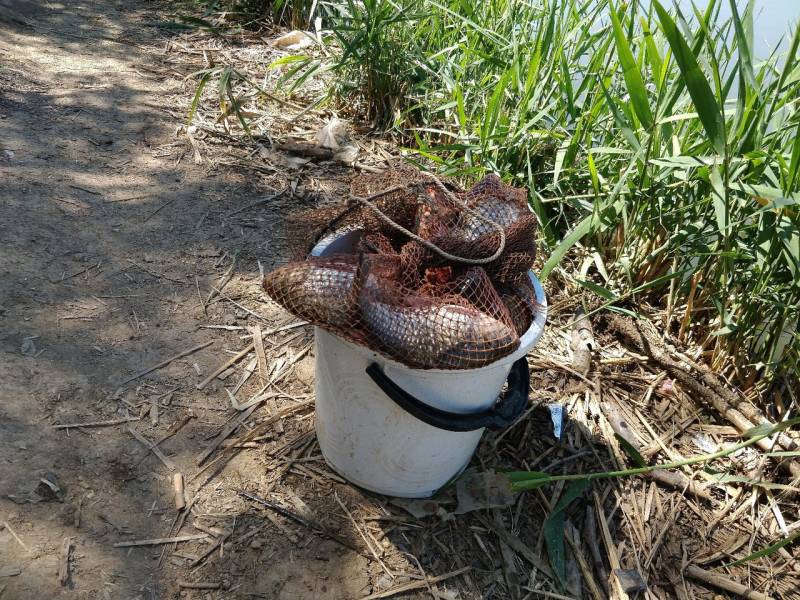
<point x="480" y="490"/>
<point x="333" y="135"/>
<point x="347" y="154"/>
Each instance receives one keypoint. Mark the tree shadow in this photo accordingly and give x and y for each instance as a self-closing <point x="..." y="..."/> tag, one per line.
<point x="105" y="222"/>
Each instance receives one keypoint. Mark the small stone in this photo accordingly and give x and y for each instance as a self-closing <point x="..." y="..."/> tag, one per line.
<point x="304" y="370"/>
<point x="384" y="582"/>
<point x="630" y="580"/>
<point x="48" y="488"/>
<point x="28" y="348"/>
<point x="228" y="319"/>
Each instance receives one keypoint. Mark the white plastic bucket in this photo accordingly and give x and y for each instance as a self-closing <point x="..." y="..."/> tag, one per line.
<point x="369" y="439"/>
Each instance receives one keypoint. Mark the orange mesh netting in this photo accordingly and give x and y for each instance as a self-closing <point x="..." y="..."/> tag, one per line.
<point x="437" y="280"/>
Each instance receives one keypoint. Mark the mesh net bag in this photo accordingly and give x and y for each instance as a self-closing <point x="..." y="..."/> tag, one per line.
<point x="438" y="279"/>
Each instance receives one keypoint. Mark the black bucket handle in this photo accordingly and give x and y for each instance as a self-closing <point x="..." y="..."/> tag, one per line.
<point x="505" y="412"/>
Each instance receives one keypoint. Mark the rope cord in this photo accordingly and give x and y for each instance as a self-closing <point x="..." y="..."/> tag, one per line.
<point x="368" y="202"/>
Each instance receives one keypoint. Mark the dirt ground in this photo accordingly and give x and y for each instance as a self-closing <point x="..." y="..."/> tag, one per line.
<point x="103" y="230"/>
<point x="125" y="246"/>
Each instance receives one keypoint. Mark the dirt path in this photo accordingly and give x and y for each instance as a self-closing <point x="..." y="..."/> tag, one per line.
<point x="103" y="227"/>
<point x="113" y="233"/>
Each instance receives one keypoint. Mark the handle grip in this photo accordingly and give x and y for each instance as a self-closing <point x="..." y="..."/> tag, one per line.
<point x="505" y="412"/>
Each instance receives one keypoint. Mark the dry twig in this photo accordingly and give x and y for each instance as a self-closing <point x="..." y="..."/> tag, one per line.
<point x="724" y="583"/>
<point x="159" y="541"/>
<point x="96" y="423"/>
<point x="167" y="361"/>
<point x="63" y="565"/>
<point x="415" y="585"/>
<point x="154" y="449"/>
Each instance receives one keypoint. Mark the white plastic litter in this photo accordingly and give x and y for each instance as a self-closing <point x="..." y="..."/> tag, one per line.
<point x="295" y="40"/>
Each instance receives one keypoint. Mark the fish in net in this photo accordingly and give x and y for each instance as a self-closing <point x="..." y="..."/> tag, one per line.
<point x="437" y="280"/>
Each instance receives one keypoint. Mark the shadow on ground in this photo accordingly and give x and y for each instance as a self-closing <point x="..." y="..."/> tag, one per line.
<point x="108" y="234"/>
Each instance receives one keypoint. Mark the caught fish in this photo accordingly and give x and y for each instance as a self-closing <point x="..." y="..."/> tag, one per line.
<point x="318" y="290"/>
<point x="434" y="335"/>
<point x="504" y="214"/>
<point x="520" y="300"/>
<point x="493" y="200"/>
<point x="405" y="288"/>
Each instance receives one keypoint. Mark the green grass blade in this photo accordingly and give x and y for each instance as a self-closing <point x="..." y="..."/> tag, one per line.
<point x="285" y="60"/>
<point x="653" y="55"/>
<point x="699" y="89"/>
<point x="620" y="119"/>
<point x="744" y="45"/>
<point x="787" y="72"/>
<point x="236" y="109"/>
<point x="631" y="451"/>
<point x="494" y="108"/>
<point x="580" y="230"/>
<point x="718" y="199"/>
<point x="523" y="480"/>
<point x="547" y="40"/>
<point x="767" y="485"/>
<point x="197" y="95"/>
<point x="794" y="166"/>
<point x="768" y="551"/>
<point x="514" y="476"/>
<point x="593" y="174"/>
<point x="224" y="81"/>
<point x="554" y="531"/>
<point x="766" y="429"/>
<point x="597" y="289"/>
<point x="462" y="114"/>
<point x="630" y="72"/>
